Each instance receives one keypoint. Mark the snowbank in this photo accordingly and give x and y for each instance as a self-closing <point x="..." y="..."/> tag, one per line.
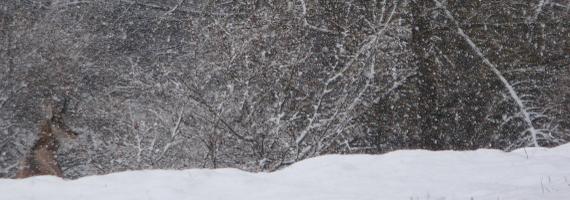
<point x="534" y="173"/>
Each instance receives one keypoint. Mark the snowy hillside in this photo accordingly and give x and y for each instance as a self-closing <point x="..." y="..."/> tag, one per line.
<point x="534" y="173"/>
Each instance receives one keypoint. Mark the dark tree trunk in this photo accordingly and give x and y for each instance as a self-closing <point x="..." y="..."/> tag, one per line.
<point x="427" y="74"/>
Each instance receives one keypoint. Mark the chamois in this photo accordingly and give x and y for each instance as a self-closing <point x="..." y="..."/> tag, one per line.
<point x="41" y="159"/>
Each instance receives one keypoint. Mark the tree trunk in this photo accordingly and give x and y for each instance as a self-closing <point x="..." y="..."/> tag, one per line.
<point x="427" y="74"/>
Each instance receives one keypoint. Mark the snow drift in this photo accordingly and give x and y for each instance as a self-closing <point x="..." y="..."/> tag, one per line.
<point x="531" y="173"/>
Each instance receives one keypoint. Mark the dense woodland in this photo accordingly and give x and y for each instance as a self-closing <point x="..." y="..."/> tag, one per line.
<point x="261" y="84"/>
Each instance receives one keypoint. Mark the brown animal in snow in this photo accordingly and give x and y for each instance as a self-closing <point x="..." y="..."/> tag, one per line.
<point x="41" y="160"/>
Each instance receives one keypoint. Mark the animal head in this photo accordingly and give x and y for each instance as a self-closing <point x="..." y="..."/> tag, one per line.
<point x="53" y="123"/>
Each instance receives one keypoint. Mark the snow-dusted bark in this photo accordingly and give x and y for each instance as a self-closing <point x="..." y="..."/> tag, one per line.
<point x="538" y="10"/>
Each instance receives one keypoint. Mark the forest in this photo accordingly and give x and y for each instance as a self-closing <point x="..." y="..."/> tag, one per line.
<point x="261" y="84"/>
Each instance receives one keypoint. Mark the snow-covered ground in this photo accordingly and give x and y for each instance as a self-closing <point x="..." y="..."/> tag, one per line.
<point x="534" y="173"/>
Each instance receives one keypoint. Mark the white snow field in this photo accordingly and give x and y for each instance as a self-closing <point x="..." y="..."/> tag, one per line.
<point x="524" y="174"/>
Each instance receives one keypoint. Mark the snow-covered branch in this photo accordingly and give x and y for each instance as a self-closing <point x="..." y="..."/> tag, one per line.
<point x="515" y="96"/>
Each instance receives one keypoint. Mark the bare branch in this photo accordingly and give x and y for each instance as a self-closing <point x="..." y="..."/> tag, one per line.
<point x="515" y="96"/>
